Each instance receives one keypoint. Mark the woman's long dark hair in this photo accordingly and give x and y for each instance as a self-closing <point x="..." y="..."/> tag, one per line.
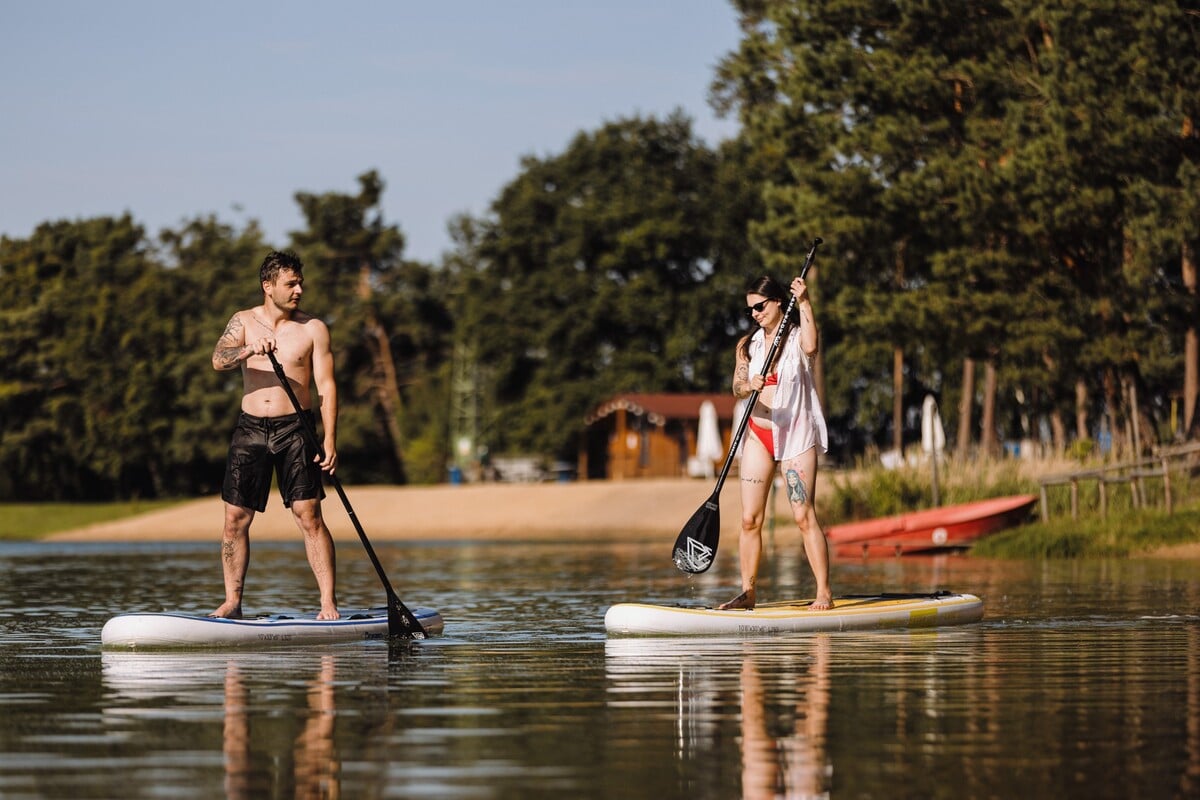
<point x="774" y="290"/>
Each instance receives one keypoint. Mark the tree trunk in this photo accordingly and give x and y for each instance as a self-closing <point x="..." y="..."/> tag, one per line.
<point x="1058" y="429"/>
<point x="1191" y="347"/>
<point x="965" y="405"/>
<point x="386" y="388"/>
<point x="898" y="400"/>
<point x="988" y="443"/>
<point x="898" y="362"/>
<point x="1134" y="418"/>
<point x="1081" y="409"/>
<point x="819" y="365"/>
<point x="1112" y="410"/>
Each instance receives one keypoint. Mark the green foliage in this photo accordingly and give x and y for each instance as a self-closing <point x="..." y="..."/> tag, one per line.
<point x="391" y="330"/>
<point x="1000" y="182"/>
<point x="608" y="268"/>
<point x="1081" y="450"/>
<point x="881" y="493"/>
<point x="87" y="402"/>
<point x="948" y="154"/>
<point x="427" y="458"/>
<point x="1118" y="535"/>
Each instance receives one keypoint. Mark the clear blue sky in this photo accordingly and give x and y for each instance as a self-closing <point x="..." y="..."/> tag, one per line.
<point x="171" y="110"/>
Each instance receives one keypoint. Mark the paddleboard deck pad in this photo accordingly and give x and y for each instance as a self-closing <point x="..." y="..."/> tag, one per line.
<point x="849" y="613"/>
<point x="179" y="630"/>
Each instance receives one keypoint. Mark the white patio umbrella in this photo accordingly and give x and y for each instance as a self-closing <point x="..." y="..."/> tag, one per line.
<point x="708" y="438"/>
<point x="933" y="438"/>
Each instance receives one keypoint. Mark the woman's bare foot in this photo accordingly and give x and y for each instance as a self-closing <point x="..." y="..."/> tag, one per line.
<point x="227" y="611"/>
<point x="824" y="602"/>
<point x="329" y="613"/>
<point x="745" y="600"/>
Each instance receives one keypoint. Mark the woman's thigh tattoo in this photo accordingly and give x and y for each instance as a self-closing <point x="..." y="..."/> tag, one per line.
<point x="796" y="490"/>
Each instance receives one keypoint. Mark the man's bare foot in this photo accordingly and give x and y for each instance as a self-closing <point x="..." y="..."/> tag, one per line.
<point x="822" y="603"/>
<point x="745" y="600"/>
<point x="227" y="611"/>
<point x="329" y="613"/>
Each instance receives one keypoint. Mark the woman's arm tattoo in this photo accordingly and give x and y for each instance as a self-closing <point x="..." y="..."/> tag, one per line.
<point x="741" y="380"/>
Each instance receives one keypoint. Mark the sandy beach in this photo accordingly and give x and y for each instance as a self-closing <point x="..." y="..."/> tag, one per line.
<point x="637" y="510"/>
<point x="632" y="510"/>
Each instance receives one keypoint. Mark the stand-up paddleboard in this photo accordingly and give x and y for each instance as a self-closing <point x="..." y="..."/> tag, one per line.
<point x="852" y="612"/>
<point x="174" y="629"/>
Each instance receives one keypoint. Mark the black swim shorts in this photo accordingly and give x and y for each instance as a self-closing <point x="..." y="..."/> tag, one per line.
<point x="262" y="445"/>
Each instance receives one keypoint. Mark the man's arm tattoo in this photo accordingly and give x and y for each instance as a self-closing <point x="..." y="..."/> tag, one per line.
<point x="228" y="352"/>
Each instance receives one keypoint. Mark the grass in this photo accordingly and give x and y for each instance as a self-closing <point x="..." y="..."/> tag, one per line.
<point x="25" y="521"/>
<point x="1123" y="533"/>
<point x="866" y="493"/>
<point x="870" y="492"/>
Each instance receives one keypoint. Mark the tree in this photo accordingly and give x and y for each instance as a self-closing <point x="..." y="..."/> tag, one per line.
<point x="351" y="251"/>
<point x="213" y="267"/>
<point x="951" y="154"/>
<point x="604" y="269"/>
<point x="84" y="390"/>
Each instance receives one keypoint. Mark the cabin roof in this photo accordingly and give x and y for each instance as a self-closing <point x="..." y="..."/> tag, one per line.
<point x="663" y="406"/>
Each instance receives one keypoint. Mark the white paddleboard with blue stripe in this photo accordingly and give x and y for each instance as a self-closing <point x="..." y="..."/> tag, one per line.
<point x="178" y="630"/>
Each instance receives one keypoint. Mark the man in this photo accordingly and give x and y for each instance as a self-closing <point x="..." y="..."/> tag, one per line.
<point x="269" y="433"/>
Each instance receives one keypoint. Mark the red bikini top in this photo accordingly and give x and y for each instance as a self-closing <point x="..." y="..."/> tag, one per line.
<point x="772" y="380"/>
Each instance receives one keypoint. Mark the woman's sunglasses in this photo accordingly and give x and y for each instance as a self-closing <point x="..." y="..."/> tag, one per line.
<point x="757" y="307"/>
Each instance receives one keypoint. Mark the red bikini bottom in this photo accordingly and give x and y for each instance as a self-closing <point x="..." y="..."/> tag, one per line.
<point x="764" y="435"/>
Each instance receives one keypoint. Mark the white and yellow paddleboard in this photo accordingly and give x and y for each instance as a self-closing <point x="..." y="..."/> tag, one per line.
<point x="178" y="630"/>
<point x="852" y="612"/>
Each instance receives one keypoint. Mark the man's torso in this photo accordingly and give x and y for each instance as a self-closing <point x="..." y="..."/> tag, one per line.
<point x="263" y="395"/>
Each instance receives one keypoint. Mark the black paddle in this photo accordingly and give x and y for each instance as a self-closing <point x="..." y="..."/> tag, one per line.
<point x="696" y="546"/>
<point x="401" y="621"/>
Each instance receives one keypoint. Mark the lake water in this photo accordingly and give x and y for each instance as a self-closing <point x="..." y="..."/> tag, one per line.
<point x="1083" y="680"/>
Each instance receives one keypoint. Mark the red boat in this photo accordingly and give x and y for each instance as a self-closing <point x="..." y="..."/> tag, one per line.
<point x="935" y="529"/>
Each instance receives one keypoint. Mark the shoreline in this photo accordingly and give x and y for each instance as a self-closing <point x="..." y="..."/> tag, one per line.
<point x="645" y="509"/>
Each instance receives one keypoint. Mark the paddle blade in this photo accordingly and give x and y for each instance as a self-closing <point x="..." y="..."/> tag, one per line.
<point x="696" y="545"/>
<point x="402" y="623"/>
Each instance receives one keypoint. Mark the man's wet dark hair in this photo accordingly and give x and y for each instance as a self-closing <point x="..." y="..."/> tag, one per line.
<point x="277" y="261"/>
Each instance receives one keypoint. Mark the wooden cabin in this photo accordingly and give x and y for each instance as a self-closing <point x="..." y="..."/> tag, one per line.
<point x="650" y="436"/>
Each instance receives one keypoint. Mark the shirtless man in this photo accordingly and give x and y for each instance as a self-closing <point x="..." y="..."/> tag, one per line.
<point x="269" y="434"/>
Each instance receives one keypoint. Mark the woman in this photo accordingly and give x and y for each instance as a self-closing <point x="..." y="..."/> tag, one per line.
<point x="786" y="427"/>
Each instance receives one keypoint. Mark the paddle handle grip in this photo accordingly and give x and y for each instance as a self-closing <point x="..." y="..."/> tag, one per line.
<point x="775" y="345"/>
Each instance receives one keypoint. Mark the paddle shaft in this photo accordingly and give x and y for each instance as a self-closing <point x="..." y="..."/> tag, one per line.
<point x="409" y="626"/>
<point x="775" y="345"/>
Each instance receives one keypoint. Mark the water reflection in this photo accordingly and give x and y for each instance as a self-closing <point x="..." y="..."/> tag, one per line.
<point x="1189" y="781"/>
<point x="792" y="763"/>
<point x="1083" y="680"/>
<point x="298" y="691"/>
<point x="779" y="706"/>
<point x="315" y="764"/>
